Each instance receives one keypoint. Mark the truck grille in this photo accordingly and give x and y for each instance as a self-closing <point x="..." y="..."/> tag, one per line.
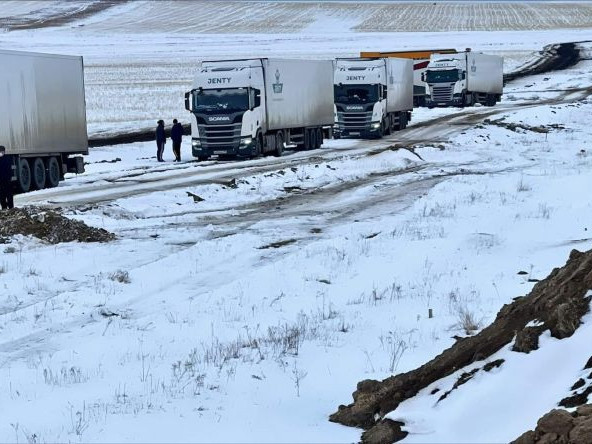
<point x="442" y="94"/>
<point x="353" y="121"/>
<point x="220" y="136"/>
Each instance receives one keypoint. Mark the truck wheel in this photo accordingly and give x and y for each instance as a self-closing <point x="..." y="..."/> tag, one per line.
<point x="203" y="158"/>
<point x="258" y="147"/>
<point x="53" y="173"/>
<point x="279" y="144"/>
<point x="38" y="174"/>
<point x="319" y="137"/>
<point x="389" y="124"/>
<point x="24" y="175"/>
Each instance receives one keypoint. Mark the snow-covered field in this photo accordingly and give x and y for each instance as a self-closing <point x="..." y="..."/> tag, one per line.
<point x="249" y="316"/>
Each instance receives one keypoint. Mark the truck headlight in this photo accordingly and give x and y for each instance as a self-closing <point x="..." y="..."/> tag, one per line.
<point x="196" y="143"/>
<point x="246" y="141"/>
<point x="375" y="125"/>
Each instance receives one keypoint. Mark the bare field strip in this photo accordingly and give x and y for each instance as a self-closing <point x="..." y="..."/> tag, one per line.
<point x="271" y="17"/>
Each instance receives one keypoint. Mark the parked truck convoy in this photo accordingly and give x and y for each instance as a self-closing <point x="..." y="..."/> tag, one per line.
<point x="258" y="106"/>
<point x="372" y="96"/>
<point x="42" y="117"/>
<point x="421" y="58"/>
<point x="464" y="79"/>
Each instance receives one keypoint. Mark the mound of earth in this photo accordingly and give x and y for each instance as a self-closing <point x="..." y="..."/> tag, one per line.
<point x="556" y="303"/>
<point x="49" y="226"/>
<point x="561" y="427"/>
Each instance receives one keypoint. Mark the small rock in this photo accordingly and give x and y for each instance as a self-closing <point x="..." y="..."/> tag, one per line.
<point x="527" y="340"/>
<point x="582" y="432"/>
<point x="584" y="410"/>
<point x="579" y="383"/>
<point x="525" y="438"/>
<point x="386" y="431"/>
<point x="556" y="421"/>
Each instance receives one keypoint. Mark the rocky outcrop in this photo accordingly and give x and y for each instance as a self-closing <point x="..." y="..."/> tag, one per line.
<point x="561" y="427"/>
<point x="557" y="304"/>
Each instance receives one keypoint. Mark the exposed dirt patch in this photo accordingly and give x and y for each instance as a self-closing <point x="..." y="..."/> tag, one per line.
<point x="278" y="244"/>
<point x="520" y="126"/>
<point x="557" y="304"/>
<point x="560" y="426"/>
<point x="49" y="226"/>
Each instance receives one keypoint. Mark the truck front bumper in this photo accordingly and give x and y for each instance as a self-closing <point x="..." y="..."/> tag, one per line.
<point x="368" y="131"/>
<point x="245" y="148"/>
<point x="456" y="100"/>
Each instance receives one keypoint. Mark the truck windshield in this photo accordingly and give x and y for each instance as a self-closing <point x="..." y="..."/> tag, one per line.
<point x="448" y="75"/>
<point x="354" y="94"/>
<point x="221" y="100"/>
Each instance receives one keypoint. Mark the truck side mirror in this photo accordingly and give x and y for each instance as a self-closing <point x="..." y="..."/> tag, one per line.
<point x="257" y="100"/>
<point x="188" y="101"/>
<point x="423" y="76"/>
<point x="463" y="75"/>
<point x="384" y="91"/>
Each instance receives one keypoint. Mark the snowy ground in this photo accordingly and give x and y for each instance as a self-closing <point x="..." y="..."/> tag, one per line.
<point x="250" y="315"/>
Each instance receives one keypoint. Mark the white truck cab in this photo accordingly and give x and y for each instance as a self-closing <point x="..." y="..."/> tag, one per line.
<point x="464" y="79"/>
<point x="255" y="106"/>
<point x="372" y="96"/>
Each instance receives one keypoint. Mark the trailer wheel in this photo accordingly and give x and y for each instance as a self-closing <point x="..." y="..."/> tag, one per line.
<point x="53" y="173"/>
<point x="279" y="144"/>
<point x="38" y="174"/>
<point x="24" y="175"/>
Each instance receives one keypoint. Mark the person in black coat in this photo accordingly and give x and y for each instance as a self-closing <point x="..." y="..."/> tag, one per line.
<point x="6" y="192"/>
<point x="160" y="140"/>
<point x="177" y="137"/>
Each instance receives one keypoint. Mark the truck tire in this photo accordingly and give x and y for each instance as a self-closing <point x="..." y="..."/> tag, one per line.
<point x="24" y="175"/>
<point x="53" y="173"/>
<point x="203" y="158"/>
<point x="279" y="144"/>
<point x="258" y="147"/>
<point x="319" y="137"/>
<point x="38" y="174"/>
<point x="490" y="101"/>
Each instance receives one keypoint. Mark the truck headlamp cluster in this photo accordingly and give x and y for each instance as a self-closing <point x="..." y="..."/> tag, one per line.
<point x="196" y="143"/>
<point x="375" y="125"/>
<point x="246" y="141"/>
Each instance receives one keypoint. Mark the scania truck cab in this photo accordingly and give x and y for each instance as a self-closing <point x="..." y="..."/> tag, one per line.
<point x="372" y="96"/>
<point x="464" y="79"/>
<point x="249" y="107"/>
<point x="226" y="110"/>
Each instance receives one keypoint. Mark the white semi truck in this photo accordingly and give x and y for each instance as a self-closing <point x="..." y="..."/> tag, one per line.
<point x="372" y="96"/>
<point x="250" y="107"/>
<point x="464" y="79"/>
<point x="421" y="59"/>
<point x="42" y="117"/>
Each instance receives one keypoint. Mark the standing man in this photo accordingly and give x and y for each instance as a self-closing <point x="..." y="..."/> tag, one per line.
<point x="177" y="137"/>
<point x="6" y="193"/>
<point x="160" y="140"/>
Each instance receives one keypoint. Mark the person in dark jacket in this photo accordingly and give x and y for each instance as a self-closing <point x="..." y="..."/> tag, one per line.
<point x="160" y="140"/>
<point x="177" y="137"/>
<point x="6" y="193"/>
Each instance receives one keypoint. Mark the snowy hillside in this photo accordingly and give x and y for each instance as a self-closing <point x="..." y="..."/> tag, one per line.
<point x="243" y="301"/>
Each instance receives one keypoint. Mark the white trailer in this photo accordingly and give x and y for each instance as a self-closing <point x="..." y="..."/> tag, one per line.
<point x="258" y="106"/>
<point x="42" y="116"/>
<point x="372" y="96"/>
<point x="464" y="79"/>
